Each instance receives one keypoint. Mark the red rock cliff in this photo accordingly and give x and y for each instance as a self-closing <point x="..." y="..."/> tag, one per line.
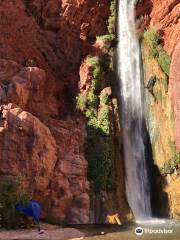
<point x="42" y="45"/>
<point x="164" y="114"/>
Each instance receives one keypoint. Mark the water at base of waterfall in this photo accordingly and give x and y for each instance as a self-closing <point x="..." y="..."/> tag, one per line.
<point x="132" y="114"/>
<point x="156" y="221"/>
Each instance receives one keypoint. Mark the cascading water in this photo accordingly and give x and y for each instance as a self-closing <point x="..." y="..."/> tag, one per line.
<point x="129" y="74"/>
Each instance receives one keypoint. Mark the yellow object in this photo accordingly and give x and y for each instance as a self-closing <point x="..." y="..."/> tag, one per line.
<point x="113" y="219"/>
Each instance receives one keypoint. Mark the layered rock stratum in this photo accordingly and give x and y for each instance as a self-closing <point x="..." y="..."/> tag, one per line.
<point x="42" y="45"/>
<point x="162" y="107"/>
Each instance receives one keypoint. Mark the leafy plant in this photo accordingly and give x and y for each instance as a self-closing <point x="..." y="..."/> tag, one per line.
<point x="10" y="194"/>
<point x="106" y="38"/>
<point x="112" y="17"/>
<point x="157" y="51"/>
<point x="97" y="111"/>
<point x="152" y="39"/>
<point x="104" y="97"/>
<point x="95" y="106"/>
<point x="81" y="102"/>
<point x="92" y="60"/>
<point x="103" y="119"/>
<point x="173" y="163"/>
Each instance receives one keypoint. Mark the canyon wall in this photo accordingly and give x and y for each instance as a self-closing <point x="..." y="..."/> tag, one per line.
<point x="53" y="50"/>
<point x="44" y="52"/>
<point x="159" y="25"/>
<point x="42" y="45"/>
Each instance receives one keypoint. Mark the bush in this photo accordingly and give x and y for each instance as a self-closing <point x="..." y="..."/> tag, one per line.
<point x="169" y="167"/>
<point x="103" y="119"/>
<point x="95" y="106"/>
<point x="164" y="61"/>
<point x="152" y="39"/>
<point x="173" y="163"/>
<point x="10" y="195"/>
<point x="103" y="97"/>
<point x="81" y="102"/>
<point x="157" y="51"/>
<point x="92" y="60"/>
<point x="106" y="38"/>
<point x="112" y="17"/>
<point x="100" y="164"/>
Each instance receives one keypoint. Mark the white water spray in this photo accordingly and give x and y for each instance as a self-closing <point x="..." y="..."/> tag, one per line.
<point x="129" y="73"/>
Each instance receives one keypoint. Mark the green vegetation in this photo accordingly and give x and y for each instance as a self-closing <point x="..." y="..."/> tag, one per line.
<point x="103" y="113"/>
<point x="112" y="18"/>
<point x="81" y="102"/>
<point x="153" y="40"/>
<point x="10" y="194"/>
<point x="110" y="37"/>
<point x="173" y="163"/>
<point x="92" y="60"/>
<point x="169" y="167"/>
<point x="107" y="37"/>
<point x="95" y="106"/>
<point x="164" y="61"/>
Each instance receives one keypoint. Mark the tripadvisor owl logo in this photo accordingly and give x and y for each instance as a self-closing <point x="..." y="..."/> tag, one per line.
<point x="139" y="231"/>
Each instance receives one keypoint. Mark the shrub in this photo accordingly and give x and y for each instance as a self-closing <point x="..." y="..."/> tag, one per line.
<point x="106" y="38"/>
<point x="92" y="60"/>
<point x="10" y="194"/>
<point x="81" y="102"/>
<point x="169" y="167"/>
<point x="103" y="119"/>
<point x="164" y="61"/>
<point x="112" y="17"/>
<point x="100" y="165"/>
<point x="95" y="106"/>
<point x="157" y="51"/>
<point x="103" y="97"/>
<point x="152" y="39"/>
<point x="173" y="163"/>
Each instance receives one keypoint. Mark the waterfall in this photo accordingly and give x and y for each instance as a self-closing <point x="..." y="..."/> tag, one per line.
<point x="132" y="115"/>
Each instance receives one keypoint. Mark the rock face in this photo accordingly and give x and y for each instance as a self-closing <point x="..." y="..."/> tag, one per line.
<point x="27" y="148"/>
<point x="175" y="90"/>
<point x="173" y="191"/>
<point x="42" y="45"/>
<point x="162" y="103"/>
<point x="70" y="183"/>
<point x="163" y="15"/>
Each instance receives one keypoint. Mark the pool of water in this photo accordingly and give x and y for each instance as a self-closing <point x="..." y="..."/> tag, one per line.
<point x="150" y="230"/>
